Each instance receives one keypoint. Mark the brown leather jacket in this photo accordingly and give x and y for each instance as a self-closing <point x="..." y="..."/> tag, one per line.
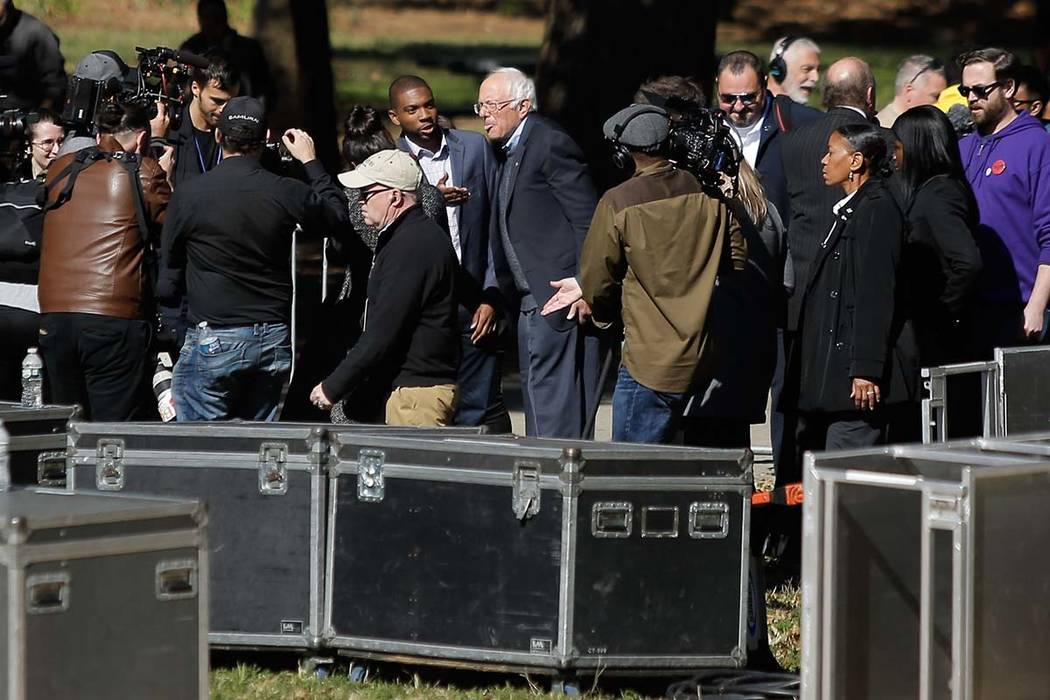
<point x="92" y="253"/>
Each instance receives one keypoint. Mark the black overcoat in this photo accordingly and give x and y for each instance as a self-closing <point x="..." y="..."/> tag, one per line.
<point x="853" y="319"/>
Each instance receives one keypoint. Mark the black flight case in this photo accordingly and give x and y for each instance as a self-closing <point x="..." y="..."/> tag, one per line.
<point x="103" y="596"/>
<point x="265" y="486"/>
<point x="547" y="556"/>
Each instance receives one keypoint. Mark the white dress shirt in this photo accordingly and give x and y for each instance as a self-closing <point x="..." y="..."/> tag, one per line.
<point x="436" y="166"/>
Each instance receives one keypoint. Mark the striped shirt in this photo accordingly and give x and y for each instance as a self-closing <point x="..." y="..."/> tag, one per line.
<point x="436" y="166"/>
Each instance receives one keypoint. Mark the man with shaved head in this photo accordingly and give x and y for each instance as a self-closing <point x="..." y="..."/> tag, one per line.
<point x="462" y="166"/>
<point x="849" y="94"/>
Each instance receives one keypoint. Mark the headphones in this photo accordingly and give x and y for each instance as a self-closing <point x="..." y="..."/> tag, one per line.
<point x="621" y="154"/>
<point x="778" y="69"/>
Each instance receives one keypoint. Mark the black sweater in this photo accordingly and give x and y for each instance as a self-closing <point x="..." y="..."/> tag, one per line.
<point x="411" y="332"/>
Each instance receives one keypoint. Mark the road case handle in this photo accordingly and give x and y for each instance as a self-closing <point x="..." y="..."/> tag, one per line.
<point x="708" y="520"/>
<point x="51" y="469"/>
<point x="47" y="593"/>
<point x="612" y="519"/>
<point x="176" y="580"/>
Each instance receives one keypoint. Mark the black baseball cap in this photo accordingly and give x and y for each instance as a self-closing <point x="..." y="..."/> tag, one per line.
<point x="244" y="117"/>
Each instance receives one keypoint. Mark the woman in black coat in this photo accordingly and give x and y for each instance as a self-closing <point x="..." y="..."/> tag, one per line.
<point x="941" y="259"/>
<point x="856" y="356"/>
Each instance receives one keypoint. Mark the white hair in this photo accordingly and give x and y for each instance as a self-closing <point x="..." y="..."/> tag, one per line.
<point x="519" y="85"/>
<point x="799" y="42"/>
<point x="912" y="67"/>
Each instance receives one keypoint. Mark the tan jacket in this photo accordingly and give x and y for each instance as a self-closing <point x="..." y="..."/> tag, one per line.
<point x="663" y="240"/>
<point x="92" y="253"/>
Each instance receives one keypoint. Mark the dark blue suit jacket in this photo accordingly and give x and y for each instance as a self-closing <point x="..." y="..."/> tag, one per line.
<point x="782" y="115"/>
<point x="551" y="202"/>
<point x="473" y="167"/>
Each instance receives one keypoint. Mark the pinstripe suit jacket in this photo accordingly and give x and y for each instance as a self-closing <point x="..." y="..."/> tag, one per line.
<point x="811" y="200"/>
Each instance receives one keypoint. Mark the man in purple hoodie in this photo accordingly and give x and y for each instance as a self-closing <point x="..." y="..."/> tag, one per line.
<point x="1007" y="162"/>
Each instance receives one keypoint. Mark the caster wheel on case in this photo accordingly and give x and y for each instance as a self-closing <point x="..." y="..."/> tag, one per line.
<point x="358" y="672"/>
<point x="567" y="687"/>
<point x="318" y="666"/>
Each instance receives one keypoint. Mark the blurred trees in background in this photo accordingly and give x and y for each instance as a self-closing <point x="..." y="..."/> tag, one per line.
<point x="596" y="53"/>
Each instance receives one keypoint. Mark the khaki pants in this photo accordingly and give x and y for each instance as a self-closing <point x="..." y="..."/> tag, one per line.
<point x="430" y="406"/>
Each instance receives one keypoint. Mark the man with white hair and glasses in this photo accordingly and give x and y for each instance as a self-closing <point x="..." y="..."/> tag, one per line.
<point x="920" y="81"/>
<point x="542" y="209"/>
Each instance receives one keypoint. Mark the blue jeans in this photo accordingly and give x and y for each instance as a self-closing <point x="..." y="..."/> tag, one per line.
<point x="241" y="376"/>
<point x="641" y="414"/>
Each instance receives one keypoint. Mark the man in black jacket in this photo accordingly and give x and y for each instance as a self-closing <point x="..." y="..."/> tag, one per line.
<point x="759" y="120"/>
<point x="411" y="329"/>
<point x="231" y="232"/>
<point x="544" y="203"/>
<point x="31" y="65"/>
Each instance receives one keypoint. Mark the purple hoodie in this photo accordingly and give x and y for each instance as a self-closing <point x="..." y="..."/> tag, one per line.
<point x="1010" y="175"/>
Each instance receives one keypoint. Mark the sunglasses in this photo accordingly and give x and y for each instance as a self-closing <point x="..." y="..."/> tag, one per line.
<point x="746" y="98"/>
<point x="365" y="196"/>
<point x="981" y="92"/>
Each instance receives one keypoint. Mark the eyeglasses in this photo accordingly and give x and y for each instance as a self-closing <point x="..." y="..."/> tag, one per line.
<point x="368" y="194"/>
<point x="1026" y="103"/>
<point x="47" y="144"/>
<point x="934" y="65"/>
<point x="492" y="107"/>
<point x="981" y="92"/>
<point x="746" y="98"/>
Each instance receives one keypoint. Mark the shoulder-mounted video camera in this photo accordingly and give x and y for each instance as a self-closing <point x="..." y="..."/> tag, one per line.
<point x="701" y="143"/>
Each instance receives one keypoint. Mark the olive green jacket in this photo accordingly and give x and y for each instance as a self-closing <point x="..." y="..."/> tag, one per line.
<point x="656" y="244"/>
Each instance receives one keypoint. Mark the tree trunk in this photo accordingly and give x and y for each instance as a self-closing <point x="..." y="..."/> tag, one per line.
<point x="596" y="53"/>
<point x="294" y="34"/>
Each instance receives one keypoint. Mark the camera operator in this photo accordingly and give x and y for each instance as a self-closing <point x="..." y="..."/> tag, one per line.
<point x="196" y="149"/>
<point x="230" y="231"/>
<point x="31" y="72"/>
<point x="103" y="208"/>
<point x="660" y="214"/>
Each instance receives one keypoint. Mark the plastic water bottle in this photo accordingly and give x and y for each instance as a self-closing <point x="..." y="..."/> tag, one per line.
<point x="32" y="380"/>
<point x="162" y="388"/>
<point x="207" y="341"/>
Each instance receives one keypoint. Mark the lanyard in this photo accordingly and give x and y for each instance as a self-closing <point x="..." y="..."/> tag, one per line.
<point x="200" y="155"/>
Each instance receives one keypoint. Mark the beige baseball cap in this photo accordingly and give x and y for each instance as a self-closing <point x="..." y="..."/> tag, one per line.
<point x="392" y="168"/>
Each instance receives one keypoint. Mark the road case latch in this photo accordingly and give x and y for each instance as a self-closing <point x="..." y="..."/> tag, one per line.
<point x="370" y="484"/>
<point x="109" y="472"/>
<point x="273" y="474"/>
<point x="526" y="490"/>
<point x="51" y="469"/>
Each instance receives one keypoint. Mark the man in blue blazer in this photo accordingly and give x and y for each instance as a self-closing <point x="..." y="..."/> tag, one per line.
<point x="462" y="166"/>
<point x="543" y="207"/>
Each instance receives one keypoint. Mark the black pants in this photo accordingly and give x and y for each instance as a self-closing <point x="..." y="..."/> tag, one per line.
<point x="844" y="430"/>
<point x="97" y="362"/>
<point x="18" y="329"/>
<point x="716" y="432"/>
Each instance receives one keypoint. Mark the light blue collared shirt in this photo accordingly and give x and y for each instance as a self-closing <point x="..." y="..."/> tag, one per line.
<point x="512" y="142"/>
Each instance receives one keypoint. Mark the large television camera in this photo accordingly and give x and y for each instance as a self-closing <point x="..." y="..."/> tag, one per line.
<point x="162" y="75"/>
<point x="14" y="141"/>
<point x="701" y="143"/>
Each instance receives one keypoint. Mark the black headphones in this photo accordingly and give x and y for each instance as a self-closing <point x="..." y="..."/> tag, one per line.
<point x="621" y="154"/>
<point x="778" y="69"/>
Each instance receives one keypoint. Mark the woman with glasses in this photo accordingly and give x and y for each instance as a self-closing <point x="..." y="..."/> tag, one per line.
<point x="941" y="258"/>
<point x="45" y="138"/>
<point x="856" y="356"/>
<point x="20" y="235"/>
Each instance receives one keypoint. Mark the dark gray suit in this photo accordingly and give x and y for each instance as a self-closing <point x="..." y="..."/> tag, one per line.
<point x="543" y="210"/>
<point x="480" y="399"/>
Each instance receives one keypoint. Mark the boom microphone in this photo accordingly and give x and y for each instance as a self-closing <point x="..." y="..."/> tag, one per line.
<point x="192" y="59"/>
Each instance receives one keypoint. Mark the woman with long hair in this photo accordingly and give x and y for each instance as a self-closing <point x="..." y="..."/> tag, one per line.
<point x="856" y="356"/>
<point x="746" y="309"/>
<point x="941" y="258"/>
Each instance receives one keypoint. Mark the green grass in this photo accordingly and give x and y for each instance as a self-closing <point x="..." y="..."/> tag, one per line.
<point x="244" y="682"/>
